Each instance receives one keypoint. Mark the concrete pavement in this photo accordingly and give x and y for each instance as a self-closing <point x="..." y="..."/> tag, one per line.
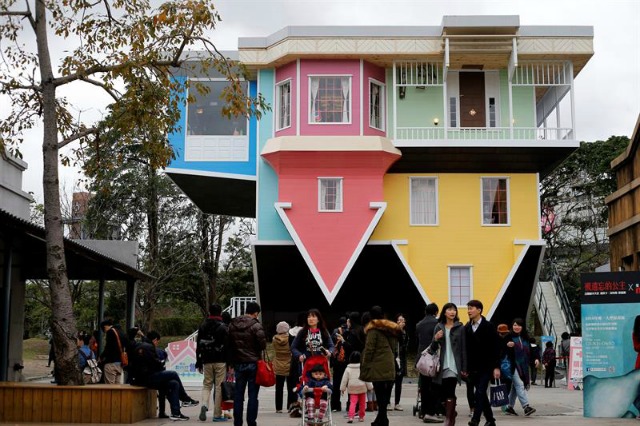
<point x="555" y="406"/>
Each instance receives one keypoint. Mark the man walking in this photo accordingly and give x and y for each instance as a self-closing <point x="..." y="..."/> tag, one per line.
<point x="247" y="340"/>
<point x="428" y="397"/>
<point x="483" y="359"/>
<point x="211" y="360"/>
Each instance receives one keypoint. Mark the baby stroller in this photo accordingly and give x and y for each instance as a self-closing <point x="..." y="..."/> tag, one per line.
<point x="416" y="407"/>
<point x="310" y="419"/>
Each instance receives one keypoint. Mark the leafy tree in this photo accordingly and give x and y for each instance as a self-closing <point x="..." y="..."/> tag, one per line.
<point x="111" y="45"/>
<point x="575" y="216"/>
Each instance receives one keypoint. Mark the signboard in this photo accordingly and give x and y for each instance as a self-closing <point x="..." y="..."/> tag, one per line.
<point x="182" y="359"/>
<point x="574" y="370"/>
<point x="610" y="307"/>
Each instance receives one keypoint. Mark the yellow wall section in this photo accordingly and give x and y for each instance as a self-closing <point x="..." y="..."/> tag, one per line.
<point x="459" y="238"/>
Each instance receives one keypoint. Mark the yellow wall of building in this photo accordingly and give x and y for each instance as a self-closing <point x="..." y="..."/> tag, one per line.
<point x="460" y="238"/>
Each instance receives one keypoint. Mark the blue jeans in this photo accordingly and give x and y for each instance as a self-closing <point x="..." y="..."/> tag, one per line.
<point x="245" y="379"/>
<point x="480" y="380"/>
<point x="518" y="389"/>
<point x="168" y="382"/>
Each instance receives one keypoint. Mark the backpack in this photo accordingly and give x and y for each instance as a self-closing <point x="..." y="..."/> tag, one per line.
<point x="208" y="343"/>
<point x="91" y="369"/>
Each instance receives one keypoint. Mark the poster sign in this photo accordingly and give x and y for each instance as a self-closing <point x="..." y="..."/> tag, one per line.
<point x="574" y="370"/>
<point x="610" y="311"/>
<point x="182" y="359"/>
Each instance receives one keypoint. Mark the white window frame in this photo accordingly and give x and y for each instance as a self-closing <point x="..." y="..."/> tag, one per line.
<point x="437" y="200"/>
<point x="460" y="303"/>
<point x="279" y="87"/>
<point x="339" y="195"/>
<point x="382" y="111"/>
<point x="508" y="192"/>
<point x="310" y="119"/>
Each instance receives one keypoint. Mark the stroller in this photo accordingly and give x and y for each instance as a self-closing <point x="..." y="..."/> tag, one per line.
<point x="310" y="419"/>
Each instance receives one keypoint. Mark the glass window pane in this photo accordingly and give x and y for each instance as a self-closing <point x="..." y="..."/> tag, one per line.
<point x="423" y="201"/>
<point x="494" y="201"/>
<point x="204" y="116"/>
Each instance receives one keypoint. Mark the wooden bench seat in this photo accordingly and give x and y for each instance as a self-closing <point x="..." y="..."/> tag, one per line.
<point x="49" y="403"/>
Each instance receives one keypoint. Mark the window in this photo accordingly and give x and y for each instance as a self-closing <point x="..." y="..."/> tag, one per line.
<point x="376" y="105"/>
<point x="453" y="122"/>
<point x="460" y="285"/>
<point x="204" y="115"/>
<point x="424" y="201"/>
<point x="495" y="201"/>
<point x="330" y="100"/>
<point x="492" y="112"/>
<point x="330" y="194"/>
<point x="283" y="109"/>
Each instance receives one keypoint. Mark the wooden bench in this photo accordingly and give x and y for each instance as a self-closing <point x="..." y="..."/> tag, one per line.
<point x="49" y="403"/>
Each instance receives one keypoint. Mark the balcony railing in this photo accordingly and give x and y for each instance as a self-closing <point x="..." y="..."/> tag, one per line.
<point x="484" y="133"/>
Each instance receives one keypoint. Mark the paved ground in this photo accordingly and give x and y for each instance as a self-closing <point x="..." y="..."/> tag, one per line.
<point x="556" y="406"/>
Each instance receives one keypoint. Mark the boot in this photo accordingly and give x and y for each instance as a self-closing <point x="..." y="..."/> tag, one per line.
<point x="369" y="406"/>
<point x="450" y="410"/>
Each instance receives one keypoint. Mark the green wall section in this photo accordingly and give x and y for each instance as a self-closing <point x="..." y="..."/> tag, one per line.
<point x="269" y="225"/>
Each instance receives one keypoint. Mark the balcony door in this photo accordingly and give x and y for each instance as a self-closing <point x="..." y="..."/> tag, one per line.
<point x="472" y="100"/>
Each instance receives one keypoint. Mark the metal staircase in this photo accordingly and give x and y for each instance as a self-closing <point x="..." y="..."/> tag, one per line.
<point x="552" y="304"/>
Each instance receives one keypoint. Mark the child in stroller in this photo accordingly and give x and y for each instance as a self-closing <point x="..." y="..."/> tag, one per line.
<point x="316" y="388"/>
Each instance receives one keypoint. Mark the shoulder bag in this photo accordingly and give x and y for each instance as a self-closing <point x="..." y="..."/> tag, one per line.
<point x="265" y="374"/>
<point x="429" y="363"/>
<point x="228" y="388"/>
<point x="124" y="358"/>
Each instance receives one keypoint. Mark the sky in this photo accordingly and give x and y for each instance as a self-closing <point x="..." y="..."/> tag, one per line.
<point x="607" y="90"/>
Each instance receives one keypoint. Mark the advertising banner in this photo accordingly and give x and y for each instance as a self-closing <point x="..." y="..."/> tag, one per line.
<point x="182" y="359"/>
<point x="574" y="369"/>
<point x="610" y="320"/>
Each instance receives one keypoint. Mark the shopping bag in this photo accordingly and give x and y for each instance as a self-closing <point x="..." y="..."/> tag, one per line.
<point x="429" y="363"/>
<point x="265" y="374"/>
<point x="227" y="390"/>
<point x="498" y="394"/>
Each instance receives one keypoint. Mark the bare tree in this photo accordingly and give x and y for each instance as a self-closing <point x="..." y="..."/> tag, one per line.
<point x="123" y="48"/>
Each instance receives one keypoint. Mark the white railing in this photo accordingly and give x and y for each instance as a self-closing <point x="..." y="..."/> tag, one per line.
<point x="484" y="133"/>
<point x="542" y="74"/>
<point x="413" y="73"/>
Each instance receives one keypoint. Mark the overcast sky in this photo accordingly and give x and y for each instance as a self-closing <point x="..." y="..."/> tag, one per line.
<point x="607" y="90"/>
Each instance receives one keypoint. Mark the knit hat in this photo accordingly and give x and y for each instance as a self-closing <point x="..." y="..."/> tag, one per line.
<point x="282" y="327"/>
<point x="503" y="329"/>
<point x="316" y="368"/>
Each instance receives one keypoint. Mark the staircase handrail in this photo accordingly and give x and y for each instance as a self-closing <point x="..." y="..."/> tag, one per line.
<point x="558" y="287"/>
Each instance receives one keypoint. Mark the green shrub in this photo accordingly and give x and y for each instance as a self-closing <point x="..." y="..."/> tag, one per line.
<point x="176" y="326"/>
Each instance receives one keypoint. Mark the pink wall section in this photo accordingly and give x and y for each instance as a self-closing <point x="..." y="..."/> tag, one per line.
<point x="283" y="73"/>
<point x="337" y="67"/>
<point x="377" y="73"/>
<point x="331" y="238"/>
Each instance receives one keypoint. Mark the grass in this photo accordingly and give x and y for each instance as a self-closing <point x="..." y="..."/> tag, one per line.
<point x="35" y="348"/>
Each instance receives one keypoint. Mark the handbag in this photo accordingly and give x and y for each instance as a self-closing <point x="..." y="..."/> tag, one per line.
<point x="498" y="394"/>
<point x="265" y="374"/>
<point x="124" y="358"/>
<point x="505" y="368"/>
<point x="228" y="389"/>
<point x="429" y="363"/>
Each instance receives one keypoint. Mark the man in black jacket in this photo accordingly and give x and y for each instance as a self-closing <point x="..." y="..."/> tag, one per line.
<point x="211" y="360"/>
<point x="428" y="395"/>
<point x="147" y="369"/>
<point x="483" y="359"/>
<point x="247" y="340"/>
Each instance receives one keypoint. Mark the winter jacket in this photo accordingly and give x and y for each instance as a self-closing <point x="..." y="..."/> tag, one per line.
<point x="282" y="360"/>
<point x="458" y="337"/>
<point x="378" y="359"/>
<point x="424" y="332"/>
<point x="212" y="342"/>
<point x="112" y="352"/>
<point x="246" y="340"/>
<point x="483" y="347"/>
<point x="351" y="381"/>
<point x="143" y="363"/>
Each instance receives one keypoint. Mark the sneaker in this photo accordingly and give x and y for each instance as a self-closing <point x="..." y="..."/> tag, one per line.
<point x="511" y="412"/>
<point x="203" y="414"/>
<point x="350" y="421"/>
<point x="529" y="410"/>
<point x="220" y="419"/>
<point x="398" y="407"/>
<point x="178" y="417"/>
<point x="189" y="403"/>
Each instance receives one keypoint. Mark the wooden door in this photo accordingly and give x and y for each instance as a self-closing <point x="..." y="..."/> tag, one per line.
<point x="472" y="101"/>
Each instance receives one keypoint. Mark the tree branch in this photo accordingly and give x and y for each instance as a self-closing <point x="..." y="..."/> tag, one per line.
<point x="111" y="92"/>
<point x="25" y="14"/>
<point x="82" y="134"/>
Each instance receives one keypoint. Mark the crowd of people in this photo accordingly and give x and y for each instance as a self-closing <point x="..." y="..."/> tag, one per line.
<point x="358" y="366"/>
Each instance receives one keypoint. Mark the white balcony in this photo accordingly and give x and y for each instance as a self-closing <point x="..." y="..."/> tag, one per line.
<point x="483" y="133"/>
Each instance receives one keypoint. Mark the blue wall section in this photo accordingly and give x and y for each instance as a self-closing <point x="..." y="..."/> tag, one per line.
<point x="269" y="225"/>
<point x="177" y="140"/>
